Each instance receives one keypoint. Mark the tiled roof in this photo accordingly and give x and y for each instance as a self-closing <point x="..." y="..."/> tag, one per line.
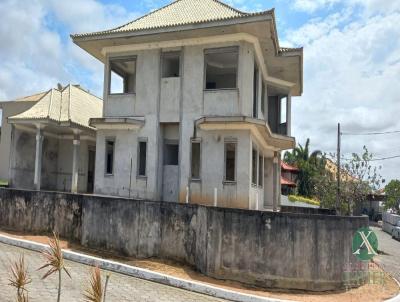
<point x="72" y="104"/>
<point x="287" y="182"/>
<point x="31" y="98"/>
<point x="287" y="167"/>
<point x="181" y="12"/>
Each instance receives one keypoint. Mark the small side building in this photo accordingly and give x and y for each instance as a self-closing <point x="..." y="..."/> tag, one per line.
<point x="50" y="144"/>
<point x="289" y="176"/>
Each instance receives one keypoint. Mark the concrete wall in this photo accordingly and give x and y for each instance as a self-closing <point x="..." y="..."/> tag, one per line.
<point x="266" y="249"/>
<point x="389" y="222"/>
<point x="8" y="109"/>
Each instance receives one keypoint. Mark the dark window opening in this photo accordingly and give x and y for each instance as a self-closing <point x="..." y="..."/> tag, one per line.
<point x="263" y="98"/>
<point x="142" y="158"/>
<point x="254" y="167"/>
<point x="171" y="154"/>
<point x="195" y="161"/>
<point x="230" y="162"/>
<point x="110" y="156"/>
<point x="122" y="76"/>
<point x="221" y="68"/>
<point x="255" y="91"/>
<point x="171" y="65"/>
<point x="260" y="170"/>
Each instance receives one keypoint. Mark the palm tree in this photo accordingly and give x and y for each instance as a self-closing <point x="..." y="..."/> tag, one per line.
<point x="308" y="163"/>
<point x="55" y="261"/>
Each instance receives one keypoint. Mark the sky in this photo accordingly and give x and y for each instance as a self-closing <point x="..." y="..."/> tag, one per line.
<point x="351" y="61"/>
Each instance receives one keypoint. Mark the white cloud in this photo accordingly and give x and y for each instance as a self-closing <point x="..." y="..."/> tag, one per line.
<point x="352" y="76"/>
<point x="313" y="5"/>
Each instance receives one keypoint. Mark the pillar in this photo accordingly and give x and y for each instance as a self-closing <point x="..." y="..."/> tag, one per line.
<point x="75" y="164"/>
<point x="289" y="115"/>
<point x="38" y="159"/>
<point x="276" y="182"/>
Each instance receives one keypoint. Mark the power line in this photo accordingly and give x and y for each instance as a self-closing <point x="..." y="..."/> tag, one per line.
<point x="370" y="133"/>
<point x="377" y="159"/>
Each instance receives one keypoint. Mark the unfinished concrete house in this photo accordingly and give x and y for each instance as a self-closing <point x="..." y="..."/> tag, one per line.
<point x="47" y="142"/>
<point x="197" y="105"/>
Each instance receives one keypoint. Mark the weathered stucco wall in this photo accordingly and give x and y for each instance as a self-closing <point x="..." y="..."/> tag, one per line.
<point x="259" y="248"/>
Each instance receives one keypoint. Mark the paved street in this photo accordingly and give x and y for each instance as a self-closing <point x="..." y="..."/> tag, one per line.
<point x="121" y="288"/>
<point x="390" y="259"/>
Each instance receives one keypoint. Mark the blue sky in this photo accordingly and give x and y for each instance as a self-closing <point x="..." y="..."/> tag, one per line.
<point x="351" y="60"/>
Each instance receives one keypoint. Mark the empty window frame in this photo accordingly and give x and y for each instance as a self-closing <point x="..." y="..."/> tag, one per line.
<point x="230" y="161"/>
<point x="221" y="68"/>
<point x="171" y="64"/>
<point x="255" y="91"/>
<point x="282" y="108"/>
<point x="260" y="170"/>
<point x="254" y="156"/>
<point x="110" y="150"/>
<point x="195" y="160"/>
<point x="263" y="98"/>
<point x="142" y="157"/>
<point x="171" y="153"/>
<point x="122" y="76"/>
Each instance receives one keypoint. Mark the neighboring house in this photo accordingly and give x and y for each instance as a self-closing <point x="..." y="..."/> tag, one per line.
<point x="289" y="175"/>
<point x="197" y="105"/>
<point x="11" y="108"/>
<point x="47" y="141"/>
<point x="331" y="168"/>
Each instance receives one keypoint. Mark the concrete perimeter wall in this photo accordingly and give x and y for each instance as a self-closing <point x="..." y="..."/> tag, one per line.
<point x="266" y="249"/>
<point x="389" y="222"/>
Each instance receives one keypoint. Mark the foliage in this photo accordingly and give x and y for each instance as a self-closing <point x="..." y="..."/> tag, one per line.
<point x="95" y="292"/>
<point x="294" y="198"/>
<point x="54" y="261"/>
<point x="19" y="279"/>
<point x="392" y="191"/>
<point x="359" y="179"/>
<point x="3" y="183"/>
<point x="309" y="165"/>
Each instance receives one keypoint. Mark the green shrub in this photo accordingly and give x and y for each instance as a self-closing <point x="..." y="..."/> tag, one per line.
<point x="294" y="198"/>
<point x="3" y="183"/>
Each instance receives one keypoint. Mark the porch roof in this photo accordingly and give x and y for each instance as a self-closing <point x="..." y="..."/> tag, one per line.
<point x="69" y="106"/>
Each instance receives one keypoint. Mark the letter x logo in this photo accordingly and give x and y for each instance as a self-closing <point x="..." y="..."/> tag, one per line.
<point x="365" y="244"/>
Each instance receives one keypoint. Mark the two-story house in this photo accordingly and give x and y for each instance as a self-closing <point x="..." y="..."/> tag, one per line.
<point x="197" y="105"/>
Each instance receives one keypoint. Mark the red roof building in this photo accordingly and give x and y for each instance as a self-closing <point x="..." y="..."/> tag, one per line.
<point x="288" y="178"/>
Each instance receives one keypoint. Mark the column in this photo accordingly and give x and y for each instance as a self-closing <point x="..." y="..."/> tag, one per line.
<point x="75" y="164"/>
<point x="38" y="158"/>
<point x="289" y="115"/>
<point x="276" y="182"/>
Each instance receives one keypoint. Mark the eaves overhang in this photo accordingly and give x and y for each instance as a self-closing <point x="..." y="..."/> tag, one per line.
<point x="258" y="127"/>
<point x="120" y="123"/>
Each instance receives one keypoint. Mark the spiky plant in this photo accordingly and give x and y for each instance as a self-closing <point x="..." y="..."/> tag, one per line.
<point x="19" y="278"/>
<point x="94" y="293"/>
<point x="54" y="261"/>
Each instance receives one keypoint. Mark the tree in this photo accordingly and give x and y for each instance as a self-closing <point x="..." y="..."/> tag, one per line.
<point x="392" y="191"/>
<point x="309" y="165"/>
<point x="358" y="179"/>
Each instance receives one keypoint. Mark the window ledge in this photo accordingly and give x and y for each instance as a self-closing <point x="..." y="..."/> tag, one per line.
<point x="220" y="89"/>
<point x="195" y="180"/>
<point x="108" y="175"/>
<point x="229" y="183"/>
<point x="141" y="177"/>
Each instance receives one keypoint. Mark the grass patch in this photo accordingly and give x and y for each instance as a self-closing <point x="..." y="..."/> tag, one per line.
<point x="294" y="198"/>
<point x="3" y="183"/>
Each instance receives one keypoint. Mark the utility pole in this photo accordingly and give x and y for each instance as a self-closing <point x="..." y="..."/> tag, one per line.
<point x="338" y="205"/>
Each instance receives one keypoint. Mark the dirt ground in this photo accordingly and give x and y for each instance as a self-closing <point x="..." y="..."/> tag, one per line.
<point x="368" y="292"/>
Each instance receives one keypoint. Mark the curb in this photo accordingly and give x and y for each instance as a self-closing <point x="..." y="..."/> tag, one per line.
<point x="145" y="274"/>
